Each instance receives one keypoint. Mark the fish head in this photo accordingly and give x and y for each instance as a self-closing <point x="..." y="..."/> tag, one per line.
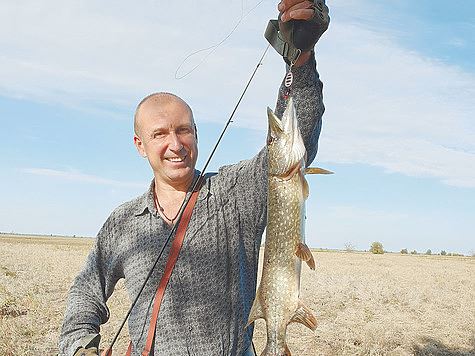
<point x="285" y="147"/>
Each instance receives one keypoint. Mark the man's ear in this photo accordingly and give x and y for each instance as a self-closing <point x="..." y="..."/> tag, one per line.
<point x="139" y="145"/>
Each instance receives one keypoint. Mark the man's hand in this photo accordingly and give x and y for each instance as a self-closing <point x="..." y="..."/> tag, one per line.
<point x="295" y="10"/>
<point x="91" y="351"/>
<point x="89" y="345"/>
<point x="312" y="21"/>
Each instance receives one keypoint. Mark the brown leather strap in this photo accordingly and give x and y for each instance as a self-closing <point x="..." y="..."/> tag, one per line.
<point x="129" y="349"/>
<point x="172" y="257"/>
<point x="107" y="352"/>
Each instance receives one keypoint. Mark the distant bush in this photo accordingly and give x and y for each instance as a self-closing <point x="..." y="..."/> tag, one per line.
<point x="349" y="247"/>
<point x="404" y="251"/>
<point x="428" y="252"/>
<point x="443" y="253"/>
<point x="377" y="248"/>
<point x="413" y="252"/>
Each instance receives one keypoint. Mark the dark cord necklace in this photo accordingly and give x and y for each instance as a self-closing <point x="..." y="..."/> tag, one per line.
<point x="163" y="210"/>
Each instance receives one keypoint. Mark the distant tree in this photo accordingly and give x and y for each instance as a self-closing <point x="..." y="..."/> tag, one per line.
<point x="376" y="248"/>
<point x="428" y="252"/>
<point x="443" y="253"/>
<point x="413" y="252"/>
<point x="404" y="251"/>
<point x="349" y="247"/>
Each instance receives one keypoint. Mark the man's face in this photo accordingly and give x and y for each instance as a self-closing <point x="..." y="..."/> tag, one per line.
<point x="166" y="136"/>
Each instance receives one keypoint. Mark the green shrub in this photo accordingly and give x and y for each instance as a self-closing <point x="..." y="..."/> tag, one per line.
<point x="428" y="252"/>
<point x="404" y="251"/>
<point x="377" y="248"/>
<point x="443" y="253"/>
<point x="413" y="252"/>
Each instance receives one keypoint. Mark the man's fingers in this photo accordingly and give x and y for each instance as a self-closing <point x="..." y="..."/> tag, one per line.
<point x="300" y="11"/>
<point x="303" y="14"/>
<point x="285" y="5"/>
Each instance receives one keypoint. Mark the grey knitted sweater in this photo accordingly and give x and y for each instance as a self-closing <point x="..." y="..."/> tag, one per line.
<point x="206" y="304"/>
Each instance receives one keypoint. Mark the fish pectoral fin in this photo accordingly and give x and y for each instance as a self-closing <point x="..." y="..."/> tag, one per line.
<point x="304" y="253"/>
<point x="316" y="170"/>
<point x="256" y="311"/>
<point x="304" y="315"/>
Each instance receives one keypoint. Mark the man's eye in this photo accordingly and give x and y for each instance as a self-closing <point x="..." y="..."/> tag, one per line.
<point x="158" y="135"/>
<point x="184" y="131"/>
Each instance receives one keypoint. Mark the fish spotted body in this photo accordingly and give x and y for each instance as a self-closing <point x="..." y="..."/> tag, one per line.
<point x="277" y="298"/>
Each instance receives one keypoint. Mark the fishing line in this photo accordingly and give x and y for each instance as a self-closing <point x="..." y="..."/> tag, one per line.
<point x="214" y="47"/>
<point x="188" y="196"/>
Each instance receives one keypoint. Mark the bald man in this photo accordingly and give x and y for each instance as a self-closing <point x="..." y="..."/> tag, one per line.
<point x="207" y="301"/>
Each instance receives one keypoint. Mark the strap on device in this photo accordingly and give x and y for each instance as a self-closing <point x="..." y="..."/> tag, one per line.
<point x="285" y="49"/>
<point x="172" y="258"/>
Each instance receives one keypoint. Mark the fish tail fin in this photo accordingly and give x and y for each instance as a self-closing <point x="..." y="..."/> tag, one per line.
<point x="256" y="311"/>
<point x="287" y="351"/>
<point x="271" y="351"/>
<point x="304" y="315"/>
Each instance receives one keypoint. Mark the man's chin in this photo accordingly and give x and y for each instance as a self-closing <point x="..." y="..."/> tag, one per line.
<point x="180" y="174"/>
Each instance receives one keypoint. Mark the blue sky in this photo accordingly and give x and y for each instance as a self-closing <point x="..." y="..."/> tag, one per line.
<point x="399" y="83"/>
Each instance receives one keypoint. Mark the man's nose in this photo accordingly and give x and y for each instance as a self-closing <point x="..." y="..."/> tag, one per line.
<point x="175" y="143"/>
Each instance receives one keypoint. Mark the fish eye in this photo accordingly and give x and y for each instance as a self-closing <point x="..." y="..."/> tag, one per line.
<point x="270" y="139"/>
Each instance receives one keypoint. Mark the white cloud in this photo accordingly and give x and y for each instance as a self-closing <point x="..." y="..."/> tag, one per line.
<point x="115" y="52"/>
<point x="81" y="177"/>
<point x="395" y="109"/>
<point x="386" y="106"/>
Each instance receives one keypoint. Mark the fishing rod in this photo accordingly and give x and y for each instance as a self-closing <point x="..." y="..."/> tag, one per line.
<point x="194" y="186"/>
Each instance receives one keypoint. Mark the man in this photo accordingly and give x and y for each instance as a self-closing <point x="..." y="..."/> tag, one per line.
<point x="207" y="302"/>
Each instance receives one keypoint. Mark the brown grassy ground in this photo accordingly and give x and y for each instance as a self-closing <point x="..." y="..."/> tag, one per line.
<point x="366" y="304"/>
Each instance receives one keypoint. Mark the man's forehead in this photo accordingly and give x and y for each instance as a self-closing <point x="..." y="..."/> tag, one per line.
<point x="163" y="105"/>
<point x="169" y="110"/>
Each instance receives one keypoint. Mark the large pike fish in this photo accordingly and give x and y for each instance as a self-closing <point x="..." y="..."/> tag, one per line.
<point x="277" y="298"/>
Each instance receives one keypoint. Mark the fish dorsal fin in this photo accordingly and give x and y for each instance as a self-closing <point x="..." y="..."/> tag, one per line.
<point x="304" y="253"/>
<point x="316" y="170"/>
<point x="304" y="315"/>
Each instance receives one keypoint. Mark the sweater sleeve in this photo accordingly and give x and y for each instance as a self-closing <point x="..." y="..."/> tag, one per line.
<point x="307" y="92"/>
<point x="86" y="307"/>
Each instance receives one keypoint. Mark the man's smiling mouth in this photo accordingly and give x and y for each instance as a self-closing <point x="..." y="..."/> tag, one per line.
<point x="175" y="159"/>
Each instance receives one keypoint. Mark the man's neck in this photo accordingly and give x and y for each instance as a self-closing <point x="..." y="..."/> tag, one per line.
<point x="173" y="189"/>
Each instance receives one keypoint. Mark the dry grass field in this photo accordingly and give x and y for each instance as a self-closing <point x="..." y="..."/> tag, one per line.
<point x="366" y="304"/>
